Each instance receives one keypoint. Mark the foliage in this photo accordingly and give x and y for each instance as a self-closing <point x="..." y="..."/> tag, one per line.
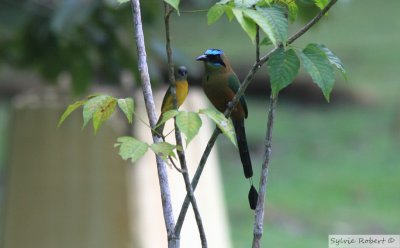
<point x="86" y="39"/>
<point x="100" y="107"/>
<point x="272" y="17"/>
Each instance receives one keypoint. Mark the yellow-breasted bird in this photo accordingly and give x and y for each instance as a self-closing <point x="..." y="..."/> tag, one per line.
<point x="182" y="90"/>
<point x="220" y="85"/>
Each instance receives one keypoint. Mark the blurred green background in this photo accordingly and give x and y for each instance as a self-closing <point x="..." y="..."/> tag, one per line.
<point x="335" y="167"/>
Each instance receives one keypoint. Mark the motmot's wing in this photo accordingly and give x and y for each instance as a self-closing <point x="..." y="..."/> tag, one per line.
<point x="234" y="84"/>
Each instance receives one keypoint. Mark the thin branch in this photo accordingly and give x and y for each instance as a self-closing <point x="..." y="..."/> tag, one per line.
<point x="258" y="43"/>
<point x="190" y="191"/>
<point x="259" y="212"/>
<point x="173" y="164"/>
<point x="173" y="241"/>
<point x="312" y="22"/>
<point x="195" y="180"/>
<point x="245" y="83"/>
<point x="178" y="137"/>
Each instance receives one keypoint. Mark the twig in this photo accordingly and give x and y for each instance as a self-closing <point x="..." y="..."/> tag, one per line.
<point x="178" y="137"/>
<point x="173" y="241"/>
<point x="249" y="77"/>
<point x="195" y="180"/>
<point x="257" y="43"/>
<point x="259" y="213"/>
<point x="174" y="165"/>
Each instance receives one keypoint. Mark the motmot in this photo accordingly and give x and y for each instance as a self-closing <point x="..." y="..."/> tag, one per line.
<point x="182" y="90"/>
<point x="220" y="85"/>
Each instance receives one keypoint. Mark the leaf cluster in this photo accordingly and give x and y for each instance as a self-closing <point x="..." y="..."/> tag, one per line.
<point x="86" y="39"/>
<point x="98" y="108"/>
<point x="272" y="17"/>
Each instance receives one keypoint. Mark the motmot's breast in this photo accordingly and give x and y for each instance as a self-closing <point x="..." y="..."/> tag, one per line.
<point x="220" y="94"/>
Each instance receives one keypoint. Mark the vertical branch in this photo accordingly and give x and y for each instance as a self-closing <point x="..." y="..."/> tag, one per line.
<point x="259" y="212"/>
<point x="260" y="209"/>
<point x="178" y="137"/>
<point x="173" y="241"/>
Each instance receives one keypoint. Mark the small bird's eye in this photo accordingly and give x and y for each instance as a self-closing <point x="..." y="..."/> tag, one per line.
<point x="215" y="59"/>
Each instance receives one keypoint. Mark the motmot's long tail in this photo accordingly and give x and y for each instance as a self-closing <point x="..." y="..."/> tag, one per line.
<point x="246" y="161"/>
<point x="243" y="148"/>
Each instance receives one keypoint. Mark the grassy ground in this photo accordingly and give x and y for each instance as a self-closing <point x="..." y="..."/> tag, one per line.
<point x="333" y="170"/>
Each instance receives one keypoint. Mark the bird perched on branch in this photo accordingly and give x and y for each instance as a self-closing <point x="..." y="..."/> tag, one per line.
<point x="220" y="84"/>
<point x="182" y="90"/>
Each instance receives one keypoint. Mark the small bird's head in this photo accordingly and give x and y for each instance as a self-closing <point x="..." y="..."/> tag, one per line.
<point x="213" y="59"/>
<point x="182" y="73"/>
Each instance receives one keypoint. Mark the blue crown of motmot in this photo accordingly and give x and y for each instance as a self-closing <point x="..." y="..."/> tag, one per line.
<point x="220" y="85"/>
<point x="182" y="90"/>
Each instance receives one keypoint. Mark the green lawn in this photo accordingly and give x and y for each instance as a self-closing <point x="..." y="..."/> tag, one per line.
<point x="333" y="170"/>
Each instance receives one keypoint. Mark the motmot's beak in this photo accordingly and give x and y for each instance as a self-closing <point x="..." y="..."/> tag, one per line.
<point x="202" y="58"/>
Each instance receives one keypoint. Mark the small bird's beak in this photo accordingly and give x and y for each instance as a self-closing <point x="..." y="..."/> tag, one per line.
<point x="202" y="58"/>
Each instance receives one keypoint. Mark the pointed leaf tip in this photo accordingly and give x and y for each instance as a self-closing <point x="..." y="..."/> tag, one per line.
<point x="127" y="107"/>
<point x="188" y="123"/>
<point x="222" y="123"/>
<point x="317" y="64"/>
<point x="174" y="4"/>
<point x="71" y="108"/>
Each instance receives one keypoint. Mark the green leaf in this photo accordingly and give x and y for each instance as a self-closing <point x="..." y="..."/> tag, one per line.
<point x="283" y="67"/>
<point x="174" y="4"/>
<point x="127" y="106"/>
<point x="272" y="21"/>
<point x="222" y="122"/>
<point x="130" y="147"/>
<point x="163" y="149"/>
<point x="229" y="12"/>
<point x="71" y="108"/>
<point x="215" y="13"/>
<point x="167" y="115"/>
<point x="91" y="106"/>
<point x="266" y="41"/>
<point x="292" y="11"/>
<point x="333" y="59"/>
<point x="321" y="3"/>
<point x="188" y="123"/>
<point x="319" y="67"/>
<point x="245" y="3"/>
<point x="246" y="23"/>
<point x="103" y="112"/>
<point x="122" y="1"/>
